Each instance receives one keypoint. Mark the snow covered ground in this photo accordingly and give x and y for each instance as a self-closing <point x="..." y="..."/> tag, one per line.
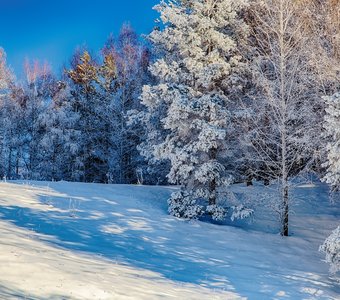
<point x="89" y="241"/>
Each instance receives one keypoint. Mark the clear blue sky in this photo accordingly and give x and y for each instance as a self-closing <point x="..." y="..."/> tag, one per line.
<point x="51" y="29"/>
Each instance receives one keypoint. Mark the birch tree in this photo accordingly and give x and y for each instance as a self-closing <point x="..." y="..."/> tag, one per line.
<point x="287" y="110"/>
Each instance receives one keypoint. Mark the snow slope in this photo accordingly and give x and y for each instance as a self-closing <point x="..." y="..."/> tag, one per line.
<point x="89" y="241"/>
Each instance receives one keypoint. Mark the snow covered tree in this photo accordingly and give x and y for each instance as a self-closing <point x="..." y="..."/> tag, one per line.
<point x="197" y="76"/>
<point x="11" y="138"/>
<point x="331" y="247"/>
<point x="323" y="26"/>
<point x="6" y="75"/>
<point x="94" y="121"/>
<point x="332" y="127"/>
<point x="286" y="109"/>
<point x="59" y="158"/>
<point x="9" y="120"/>
<point x="106" y="91"/>
<point x="36" y="92"/>
<point x="131" y="59"/>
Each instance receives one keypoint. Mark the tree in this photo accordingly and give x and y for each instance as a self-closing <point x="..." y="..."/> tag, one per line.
<point x="131" y="59"/>
<point x="332" y="127"/>
<point x="197" y="78"/>
<point x="33" y="98"/>
<point x="6" y="75"/>
<point x="286" y="109"/>
<point x="331" y="247"/>
<point x="322" y="23"/>
<point x="60" y="144"/>
<point x="9" y="120"/>
<point x="93" y="123"/>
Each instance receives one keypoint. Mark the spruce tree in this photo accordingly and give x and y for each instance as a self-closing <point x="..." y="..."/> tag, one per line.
<point x="198" y="74"/>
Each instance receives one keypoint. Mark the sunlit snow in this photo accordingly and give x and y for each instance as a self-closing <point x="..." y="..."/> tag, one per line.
<point x="90" y="241"/>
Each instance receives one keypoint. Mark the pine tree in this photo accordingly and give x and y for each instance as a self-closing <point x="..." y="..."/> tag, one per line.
<point x="93" y="123"/>
<point x="198" y="75"/>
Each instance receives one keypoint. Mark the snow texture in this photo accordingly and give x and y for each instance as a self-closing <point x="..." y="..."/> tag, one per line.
<point x="64" y="240"/>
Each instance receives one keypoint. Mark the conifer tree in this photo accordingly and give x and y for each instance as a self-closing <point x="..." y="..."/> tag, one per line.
<point x="93" y="122"/>
<point x="198" y="74"/>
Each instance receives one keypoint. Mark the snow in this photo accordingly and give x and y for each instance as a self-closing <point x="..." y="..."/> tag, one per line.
<point x="63" y="240"/>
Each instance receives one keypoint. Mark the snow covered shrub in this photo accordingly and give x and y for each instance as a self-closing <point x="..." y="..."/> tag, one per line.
<point x="218" y="213"/>
<point x="241" y="212"/>
<point x="331" y="247"/>
<point x="182" y="204"/>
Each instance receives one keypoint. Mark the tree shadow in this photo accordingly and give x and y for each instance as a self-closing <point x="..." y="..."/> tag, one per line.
<point x="129" y="225"/>
<point x="125" y="235"/>
<point x="8" y="293"/>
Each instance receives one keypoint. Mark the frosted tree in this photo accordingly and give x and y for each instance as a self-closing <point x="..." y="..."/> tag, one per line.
<point x="59" y="159"/>
<point x="331" y="247"/>
<point x="33" y="99"/>
<point x="323" y="24"/>
<point x="94" y="118"/>
<point x="105" y="92"/>
<point x="332" y="127"/>
<point x="9" y="120"/>
<point x="197" y="77"/>
<point x="24" y="105"/>
<point x="287" y="111"/>
<point x="130" y="59"/>
<point x="6" y="75"/>
<point x="11" y="138"/>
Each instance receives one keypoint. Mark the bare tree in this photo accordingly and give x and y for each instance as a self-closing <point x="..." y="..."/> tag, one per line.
<point x="286" y="109"/>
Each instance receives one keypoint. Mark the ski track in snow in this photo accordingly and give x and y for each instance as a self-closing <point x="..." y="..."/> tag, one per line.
<point x="90" y="241"/>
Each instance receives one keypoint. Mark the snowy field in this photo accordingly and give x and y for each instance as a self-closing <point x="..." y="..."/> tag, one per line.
<point x="91" y="241"/>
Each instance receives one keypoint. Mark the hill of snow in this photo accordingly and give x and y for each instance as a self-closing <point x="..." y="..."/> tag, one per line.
<point x="90" y="241"/>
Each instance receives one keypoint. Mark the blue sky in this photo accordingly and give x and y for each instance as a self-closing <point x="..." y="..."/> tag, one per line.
<point x="51" y="30"/>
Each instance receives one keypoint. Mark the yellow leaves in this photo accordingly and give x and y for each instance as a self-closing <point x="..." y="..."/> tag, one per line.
<point x="108" y="70"/>
<point x="85" y="71"/>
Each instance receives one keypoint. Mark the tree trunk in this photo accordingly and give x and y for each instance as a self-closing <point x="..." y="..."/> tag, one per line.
<point x="17" y="165"/>
<point x="284" y="231"/>
<point x="284" y="109"/>
<point x="9" y="166"/>
<point x="212" y="183"/>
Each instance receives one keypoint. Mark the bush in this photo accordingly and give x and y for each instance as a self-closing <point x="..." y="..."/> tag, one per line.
<point x="331" y="247"/>
<point x="183" y="205"/>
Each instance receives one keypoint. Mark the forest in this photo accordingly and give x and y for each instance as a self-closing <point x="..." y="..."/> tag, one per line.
<point x="220" y="92"/>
